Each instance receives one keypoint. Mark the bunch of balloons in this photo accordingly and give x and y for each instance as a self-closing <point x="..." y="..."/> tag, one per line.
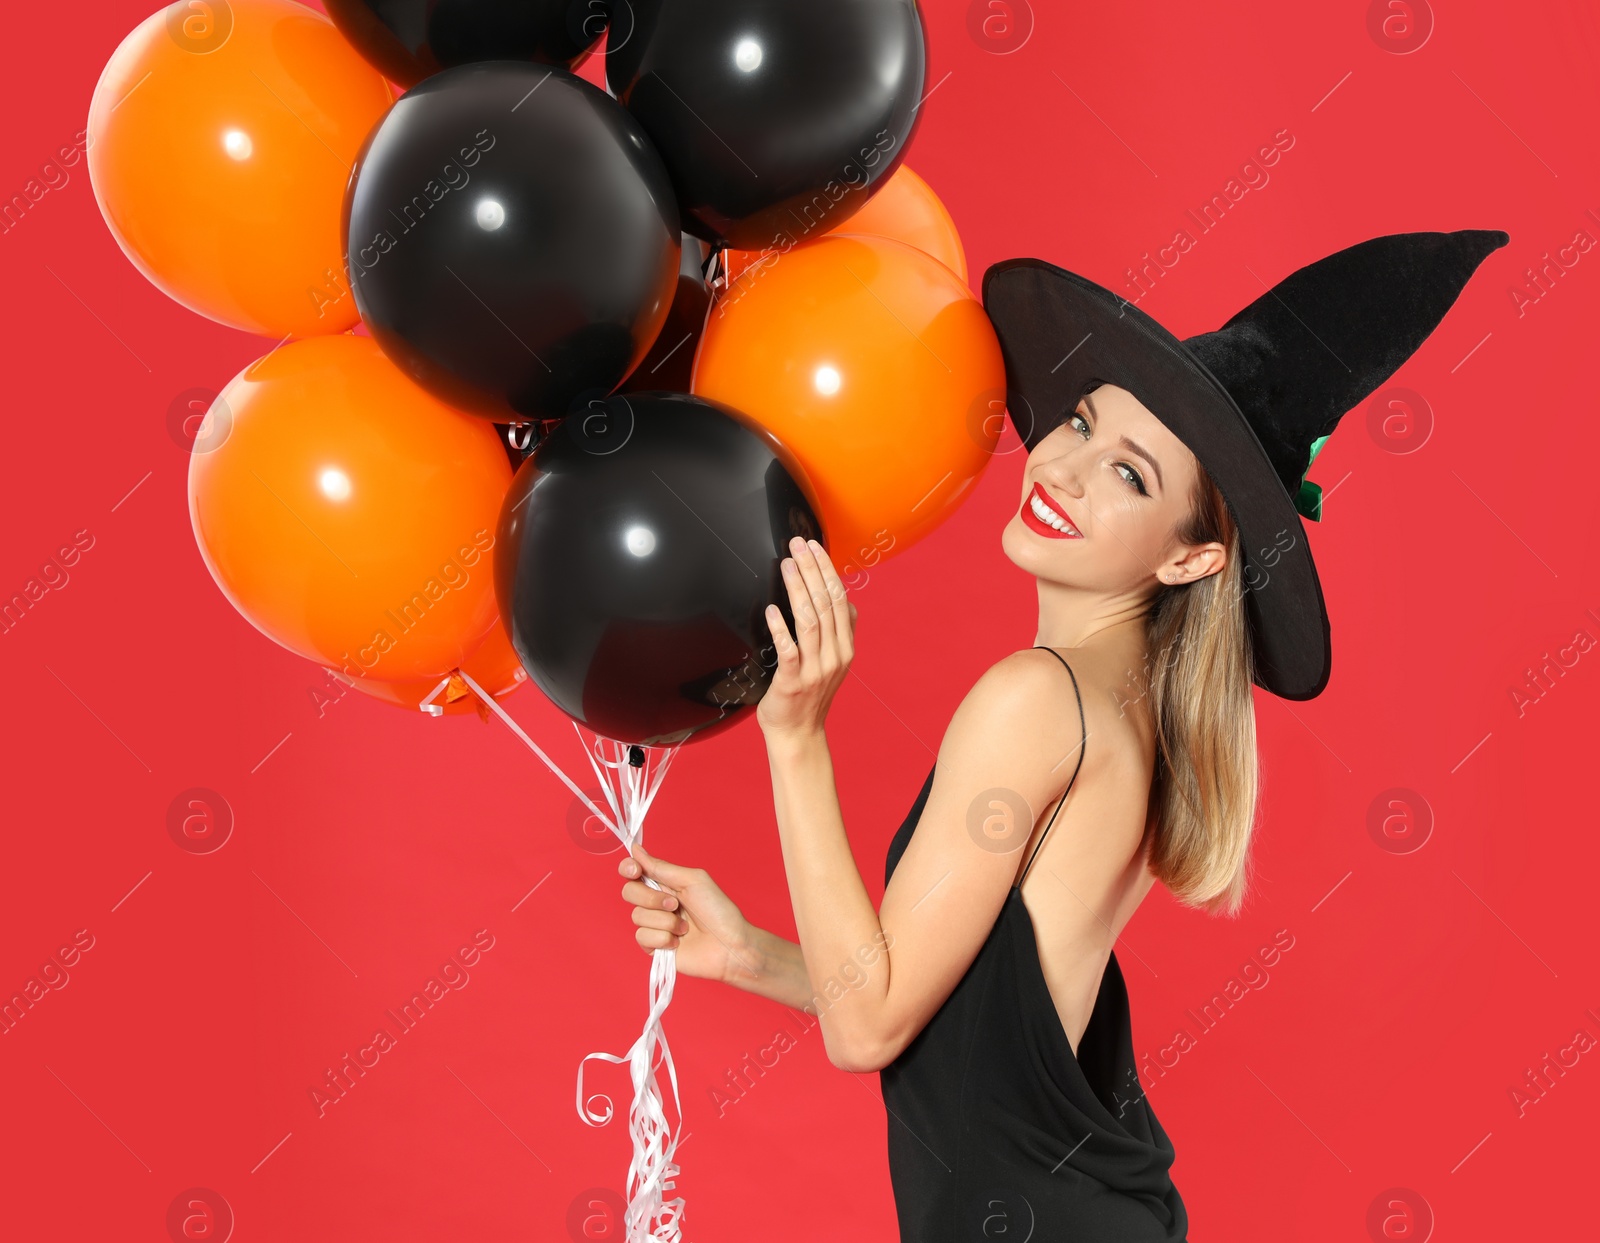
<point x="709" y="304"/>
<point x="709" y="307"/>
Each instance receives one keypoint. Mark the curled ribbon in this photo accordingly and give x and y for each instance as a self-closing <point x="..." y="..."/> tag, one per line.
<point x="629" y="789"/>
<point x="650" y="1217"/>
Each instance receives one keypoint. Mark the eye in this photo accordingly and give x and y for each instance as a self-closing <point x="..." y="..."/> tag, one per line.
<point x="1133" y="478"/>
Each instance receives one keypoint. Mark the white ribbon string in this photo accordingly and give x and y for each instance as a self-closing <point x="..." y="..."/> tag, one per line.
<point x="626" y="787"/>
<point x="650" y="1218"/>
<point x="629" y="791"/>
<point x="427" y="704"/>
<point x="516" y="729"/>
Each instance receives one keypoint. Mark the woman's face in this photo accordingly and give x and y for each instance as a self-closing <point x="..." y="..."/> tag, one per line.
<point x="1102" y="497"/>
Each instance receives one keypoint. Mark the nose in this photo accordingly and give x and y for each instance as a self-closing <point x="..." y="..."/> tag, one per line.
<point x="1064" y="473"/>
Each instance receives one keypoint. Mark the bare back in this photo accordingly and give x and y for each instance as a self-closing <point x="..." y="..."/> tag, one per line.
<point x="1088" y="874"/>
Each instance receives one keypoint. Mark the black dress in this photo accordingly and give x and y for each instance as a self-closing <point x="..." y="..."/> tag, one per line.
<point x="997" y="1131"/>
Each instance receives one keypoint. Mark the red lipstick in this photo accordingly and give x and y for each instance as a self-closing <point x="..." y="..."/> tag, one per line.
<point x="1040" y="514"/>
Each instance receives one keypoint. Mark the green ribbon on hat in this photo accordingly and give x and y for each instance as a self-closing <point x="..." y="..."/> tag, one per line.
<point x="1309" y="499"/>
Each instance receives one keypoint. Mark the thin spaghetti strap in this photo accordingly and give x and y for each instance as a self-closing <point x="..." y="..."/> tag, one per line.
<point x="1084" y="724"/>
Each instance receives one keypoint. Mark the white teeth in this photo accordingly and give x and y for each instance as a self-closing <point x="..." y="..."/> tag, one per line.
<point x="1048" y="516"/>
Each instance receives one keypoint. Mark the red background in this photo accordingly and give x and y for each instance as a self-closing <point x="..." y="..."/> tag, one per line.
<point x="369" y="844"/>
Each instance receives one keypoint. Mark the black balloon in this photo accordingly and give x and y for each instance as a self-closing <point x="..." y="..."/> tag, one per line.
<point x="637" y="551"/>
<point x="778" y="119"/>
<point x="669" y="365"/>
<point x="512" y="239"/>
<point x="407" y="40"/>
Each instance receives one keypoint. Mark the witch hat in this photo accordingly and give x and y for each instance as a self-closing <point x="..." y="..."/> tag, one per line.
<point x="1253" y="401"/>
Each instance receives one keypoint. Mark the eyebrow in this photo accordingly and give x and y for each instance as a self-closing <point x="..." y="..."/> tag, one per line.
<point x="1132" y="446"/>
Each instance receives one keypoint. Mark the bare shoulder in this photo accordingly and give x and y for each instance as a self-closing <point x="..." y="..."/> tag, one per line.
<point x="1033" y="684"/>
<point x="1027" y="698"/>
<point x="1021" y="719"/>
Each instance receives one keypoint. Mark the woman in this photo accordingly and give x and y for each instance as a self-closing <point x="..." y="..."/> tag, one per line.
<point x="1160" y="513"/>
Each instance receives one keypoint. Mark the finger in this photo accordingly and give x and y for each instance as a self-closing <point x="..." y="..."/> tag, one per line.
<point x="788" y="650"/>
<point x="806" y="625"/>
<point x="640" y="894"/>
<point x="817" y="587"/>
<point x="844" y="612"/>
<point x="673" y="875"/>
<point x="663" y="921"/>
<point x="652" y="939"/>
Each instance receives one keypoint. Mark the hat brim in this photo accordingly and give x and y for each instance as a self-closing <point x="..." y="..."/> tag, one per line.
<point x="1059" y="335"/>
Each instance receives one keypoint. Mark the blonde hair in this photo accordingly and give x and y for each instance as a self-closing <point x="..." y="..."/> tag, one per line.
<point x="1206" y="785"/>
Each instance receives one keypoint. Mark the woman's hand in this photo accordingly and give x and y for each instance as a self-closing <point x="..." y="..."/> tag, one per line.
<point x="811" y="666"/>
<point x="693" y="916"/>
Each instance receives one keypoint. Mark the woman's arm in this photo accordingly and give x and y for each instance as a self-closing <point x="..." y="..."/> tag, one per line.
<point x="781" y="971"/>
<point x="878" y="976"/>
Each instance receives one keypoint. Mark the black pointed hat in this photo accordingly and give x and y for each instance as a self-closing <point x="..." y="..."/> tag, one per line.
<point x="1253" y="400"/>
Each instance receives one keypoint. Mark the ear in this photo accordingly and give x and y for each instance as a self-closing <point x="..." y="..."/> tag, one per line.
<point x="1201" y="561"/>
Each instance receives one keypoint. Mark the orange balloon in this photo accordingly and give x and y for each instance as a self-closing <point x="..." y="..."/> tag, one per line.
<point x="347" y="513"/>
<point x="221" y="136"/>
<point x="494" y="666"/>
<point x="906" y="209"/>
<point x="874" y="364"/>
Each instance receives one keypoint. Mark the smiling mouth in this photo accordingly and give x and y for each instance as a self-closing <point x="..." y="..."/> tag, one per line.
<point x="1044" y="517"/>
